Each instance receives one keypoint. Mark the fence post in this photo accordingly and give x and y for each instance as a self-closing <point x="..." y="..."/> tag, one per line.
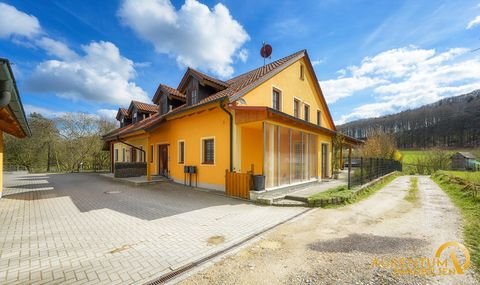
<point x="349" y="171"/>
<point x="377" y="168"/>
<point x="370" y="175"/>
<point x="361" y="170"/>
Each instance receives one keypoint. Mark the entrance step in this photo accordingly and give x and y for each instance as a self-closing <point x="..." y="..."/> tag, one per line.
<point x="289" y="203"/>
<point x="293" y="197"/>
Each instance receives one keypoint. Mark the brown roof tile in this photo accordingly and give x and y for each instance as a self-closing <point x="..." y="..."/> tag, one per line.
<point x="123" y="112"/>
<point x="170" y="91"/>
<point x="200" y="75"/>
<point x="244" y="81"/>
<point x="234" y="86"/>
<point x="144" y="107"/>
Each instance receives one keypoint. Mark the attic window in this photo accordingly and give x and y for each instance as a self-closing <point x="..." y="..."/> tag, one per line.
<point x="194" y="96"/>
<point x="302" y="72"/>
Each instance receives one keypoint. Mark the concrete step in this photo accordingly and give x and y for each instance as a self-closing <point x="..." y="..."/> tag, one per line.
<point x="293" y="197"/>
<point x="290" y="203"/>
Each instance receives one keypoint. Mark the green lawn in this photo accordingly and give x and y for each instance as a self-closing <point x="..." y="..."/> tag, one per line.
<point x="466" y="175"/>
<point x="349" y="195"/>
<point x="470" y="209"/>
<point x="411" y="156"/>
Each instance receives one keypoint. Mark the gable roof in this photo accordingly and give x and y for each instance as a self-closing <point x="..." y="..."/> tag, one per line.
<point x="466" y="154"/>
<point x="202" y="77"/>
<point x="122" y="112"/>
<point x="240" y="85"/>
<point x="143" y="107"/>
<point x="140" y="125"/>
<point x="170" y="91"/>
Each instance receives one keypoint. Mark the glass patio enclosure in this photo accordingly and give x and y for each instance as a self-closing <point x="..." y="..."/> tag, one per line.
<point x="290" y="156"/>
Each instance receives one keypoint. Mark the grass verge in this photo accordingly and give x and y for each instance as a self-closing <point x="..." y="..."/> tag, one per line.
<point x="470" y="176"/>
<point x="412" y="195"/>
<point x="469" y="206"/>
<point x="341" y="196"/>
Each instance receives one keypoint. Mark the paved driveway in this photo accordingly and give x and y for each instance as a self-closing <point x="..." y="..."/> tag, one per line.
<point x="66" y="228"/>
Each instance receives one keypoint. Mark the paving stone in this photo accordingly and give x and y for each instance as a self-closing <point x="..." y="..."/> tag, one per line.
<point x="65" y="229"/>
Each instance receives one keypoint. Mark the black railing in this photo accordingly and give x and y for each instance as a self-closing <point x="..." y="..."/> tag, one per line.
<point x="362" y="170"/>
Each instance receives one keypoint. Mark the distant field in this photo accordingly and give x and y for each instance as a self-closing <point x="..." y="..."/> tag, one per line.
<point x="466" y="175"/>
<point x="411" y="156"/>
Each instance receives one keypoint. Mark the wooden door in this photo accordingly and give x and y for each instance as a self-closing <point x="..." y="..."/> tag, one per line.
<point x="324" y="160"/>
<point x="163" y="160"/>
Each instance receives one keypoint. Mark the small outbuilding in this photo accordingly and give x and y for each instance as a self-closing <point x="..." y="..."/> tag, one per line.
<point x="464" y="161"/>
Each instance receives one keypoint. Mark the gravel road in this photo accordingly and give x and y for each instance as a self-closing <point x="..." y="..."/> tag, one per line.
<point x="338" y="246"/>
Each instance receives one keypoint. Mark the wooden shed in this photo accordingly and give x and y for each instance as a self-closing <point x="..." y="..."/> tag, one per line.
<point x="464" y="161"/>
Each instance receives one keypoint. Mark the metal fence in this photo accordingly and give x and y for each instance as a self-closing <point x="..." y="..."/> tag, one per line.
<point x="362" y="170"/>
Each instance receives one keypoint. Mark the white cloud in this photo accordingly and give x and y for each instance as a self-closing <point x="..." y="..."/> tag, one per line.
<point x="55" y="48"/>
<point x="195" y="35"/>
<point x="243" y="55"/>
<point x="29" y="109"/>
<point x="317" y="62"/>
<point x="107" y="113"/>
<point x="17" y="23"/>
<point x="342" y="87"/>
<point x="102" y="74"/>
<point x="404" y="78"/>
<point x="473" y="23"/>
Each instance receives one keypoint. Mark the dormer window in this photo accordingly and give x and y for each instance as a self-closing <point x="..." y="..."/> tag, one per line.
<point x="134" y="117"/>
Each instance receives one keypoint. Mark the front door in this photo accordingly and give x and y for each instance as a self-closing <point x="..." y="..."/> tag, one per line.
<point x="324" y="160"/>
<point x="163" y="160"/>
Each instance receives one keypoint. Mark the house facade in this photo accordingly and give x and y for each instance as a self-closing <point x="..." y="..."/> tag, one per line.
<point x="12" y="116"/>
<point x="273" y="120"/>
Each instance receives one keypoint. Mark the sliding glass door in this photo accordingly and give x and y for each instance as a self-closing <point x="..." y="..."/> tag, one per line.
<point x="290" y="156"/>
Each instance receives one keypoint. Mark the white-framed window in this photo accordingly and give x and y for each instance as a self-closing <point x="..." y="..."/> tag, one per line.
<point x="276" y="99"/>
<point x="181" y="152"/>
<point x="208" y="150"/>
<point x="306" y="112"/>
<point x="296" y="108"/>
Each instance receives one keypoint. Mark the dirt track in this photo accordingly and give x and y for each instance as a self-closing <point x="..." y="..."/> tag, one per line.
<point x="338" y="246"/>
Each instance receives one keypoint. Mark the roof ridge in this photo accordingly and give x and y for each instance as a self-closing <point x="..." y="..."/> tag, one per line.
<point x="266" y="65"/>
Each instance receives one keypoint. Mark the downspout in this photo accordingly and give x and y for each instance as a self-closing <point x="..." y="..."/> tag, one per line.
<point x="124" y="142"/>
<point x="231" y="134"/>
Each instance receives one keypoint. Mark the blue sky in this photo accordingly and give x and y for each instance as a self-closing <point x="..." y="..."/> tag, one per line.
<point x="371" y="57"/>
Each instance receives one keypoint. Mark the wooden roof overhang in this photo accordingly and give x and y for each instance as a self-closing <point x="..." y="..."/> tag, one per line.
<point x="12" y="116"/>
<point x="246" y="114"/>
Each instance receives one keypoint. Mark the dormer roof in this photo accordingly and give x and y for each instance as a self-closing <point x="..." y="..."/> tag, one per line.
<point x="203" y="78"/>
<point x="171" y="92"/>
<point x="142" y="107"/>
<point x="122" y="112"/>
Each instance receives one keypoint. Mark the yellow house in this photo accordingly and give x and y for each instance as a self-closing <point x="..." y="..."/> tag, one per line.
<point x="273" y="119"/>
<point x="12" y="115"/>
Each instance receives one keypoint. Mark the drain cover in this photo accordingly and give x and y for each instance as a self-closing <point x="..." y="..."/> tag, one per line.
<point x="112" y="192"/>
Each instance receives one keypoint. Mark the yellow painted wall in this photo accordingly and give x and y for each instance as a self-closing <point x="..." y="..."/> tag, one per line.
<point x="252" y="149"/>
<point x="207" y="124"/>
<point x="138" y="142"/>
<point x="291" y="86"/>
